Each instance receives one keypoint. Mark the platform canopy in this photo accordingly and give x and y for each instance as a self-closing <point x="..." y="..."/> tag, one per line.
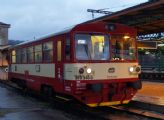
<point x="147" y="18"/>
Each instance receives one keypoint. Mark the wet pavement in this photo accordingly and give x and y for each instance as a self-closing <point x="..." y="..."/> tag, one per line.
<point x="151" y="92"/>
<point x="13" y="106"/>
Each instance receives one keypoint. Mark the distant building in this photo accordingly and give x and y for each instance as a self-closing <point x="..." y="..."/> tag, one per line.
<point x="3" y="49"/>
<point x="4" y="34"/>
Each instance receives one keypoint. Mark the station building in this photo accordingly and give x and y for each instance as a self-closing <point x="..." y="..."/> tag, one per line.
<point x="3" y="49"/>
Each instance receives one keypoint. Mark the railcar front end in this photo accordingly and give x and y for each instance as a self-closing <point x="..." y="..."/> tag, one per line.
<point x="105" y="69"/>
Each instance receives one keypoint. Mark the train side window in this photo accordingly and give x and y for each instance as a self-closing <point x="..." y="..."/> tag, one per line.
<point x="48" y="52"/>
<point x="18" y="56"/>
<point x="13" y="56"/>
<point x="38" y="53"/>
<point x="67" y="49"/>
<point x="24" y="55"/>
<point x="30" y="54"/>
<point x="59" y="50"/>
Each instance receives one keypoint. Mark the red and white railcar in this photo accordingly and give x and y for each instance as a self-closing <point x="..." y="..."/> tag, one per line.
<point x="94" y="63"/>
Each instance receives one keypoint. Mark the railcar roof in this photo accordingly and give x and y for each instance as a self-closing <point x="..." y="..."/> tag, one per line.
<point x="66" y="30"/>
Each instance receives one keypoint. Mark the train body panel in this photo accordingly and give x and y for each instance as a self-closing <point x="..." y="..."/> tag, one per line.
<point x="101" y="92"/>
<point x="99" y="71"/>
<point x="43" y="70"/>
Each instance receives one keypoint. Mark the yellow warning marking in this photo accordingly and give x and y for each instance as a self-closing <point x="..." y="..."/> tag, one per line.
<point x="108" y="103"/>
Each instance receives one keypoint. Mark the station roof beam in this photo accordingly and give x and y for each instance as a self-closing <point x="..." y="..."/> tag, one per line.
<point x="147" y="18"/>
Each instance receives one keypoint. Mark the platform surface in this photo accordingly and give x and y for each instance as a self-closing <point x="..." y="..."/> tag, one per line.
<point x="14" y="106"/>
<point x="151" y="92"/>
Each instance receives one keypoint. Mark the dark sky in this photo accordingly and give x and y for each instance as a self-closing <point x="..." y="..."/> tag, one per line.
<point x="36" y="18"/>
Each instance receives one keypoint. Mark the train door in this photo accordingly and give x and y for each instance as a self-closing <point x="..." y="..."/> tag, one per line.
<point x="59" y="64"/>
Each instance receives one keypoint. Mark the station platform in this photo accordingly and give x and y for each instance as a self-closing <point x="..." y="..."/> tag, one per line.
<point x="151" y="92"/>
<point x="150" y="97"/>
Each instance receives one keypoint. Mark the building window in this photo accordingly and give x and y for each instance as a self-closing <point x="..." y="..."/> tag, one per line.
<point x="13" y="54"/>
<point x="30" y="54"/>
<point x="48" y="52"/>
<point x="38" y="53"/>
<point x="24" y="55"/>
<point x="67" y="49"/>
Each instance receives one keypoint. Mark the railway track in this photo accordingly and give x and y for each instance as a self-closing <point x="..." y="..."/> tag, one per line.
<point x="99" y="113"/>
<point x="140" y="112"/>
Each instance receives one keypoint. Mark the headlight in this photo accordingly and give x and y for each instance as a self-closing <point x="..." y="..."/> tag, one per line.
<point x="81" y="70"/>
<point x="135" y="69"/>
<point x="89" y="70"/>
<point x="138" y="69"/>
<point x="131" y="69"/>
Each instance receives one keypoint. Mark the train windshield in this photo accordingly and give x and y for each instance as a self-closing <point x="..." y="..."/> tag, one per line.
<point x="123" y="47"/>
<point x="92" y="47"/>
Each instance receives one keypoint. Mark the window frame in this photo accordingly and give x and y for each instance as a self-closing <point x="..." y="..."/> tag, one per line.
<point x="18" y="56"/>
<point x="67" y="43"/>
<point x="12" y="55"/>
<point x="91" y="33"/>
<point x="135" y="48"/>
<point x="51" y="51"/>
<point x="31" y="54"/>
<point x="59" y="53"/>
<point x="24" y="49"/>
<point x="40" y="51"/>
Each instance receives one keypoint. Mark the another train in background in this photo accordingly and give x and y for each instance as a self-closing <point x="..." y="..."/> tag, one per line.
<point x="152" y="63"/>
